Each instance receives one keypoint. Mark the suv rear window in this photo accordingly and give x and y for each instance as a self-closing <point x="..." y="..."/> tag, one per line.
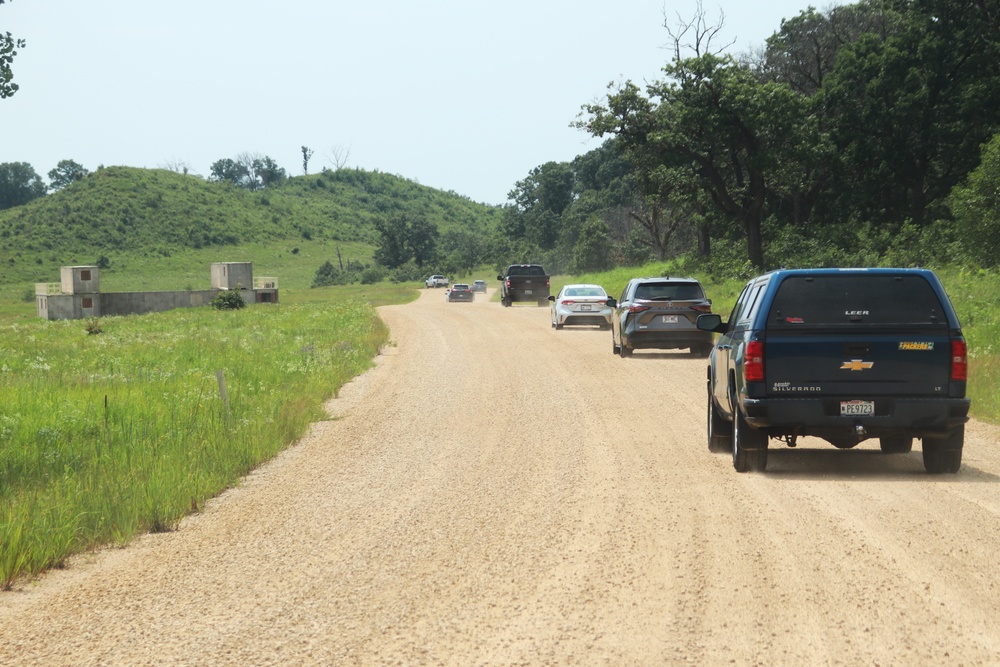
<point x="669" y="291"/>
<point x="853" y="300"/>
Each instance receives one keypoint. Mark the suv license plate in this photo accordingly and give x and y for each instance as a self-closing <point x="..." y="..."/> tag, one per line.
<point x="854" y="408"/>
<point x="669" y="319"/>
<point x="527" y="291"/>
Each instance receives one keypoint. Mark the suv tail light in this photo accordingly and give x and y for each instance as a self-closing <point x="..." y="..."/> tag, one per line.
<point x="959" y="361"/>
<point x="637" y="309"/>
<point x="702" y="309"/>
<point x="753" y="361"/>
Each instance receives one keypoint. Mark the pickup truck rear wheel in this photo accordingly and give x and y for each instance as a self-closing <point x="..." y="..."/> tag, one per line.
<point x="749" y="445"/>
<point x="944" y="455"/>
<point x="720" y="438"/>
<point x="896" y="444"/>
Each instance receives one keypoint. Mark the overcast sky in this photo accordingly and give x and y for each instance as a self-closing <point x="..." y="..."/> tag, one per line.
<point x="454" y="94"/>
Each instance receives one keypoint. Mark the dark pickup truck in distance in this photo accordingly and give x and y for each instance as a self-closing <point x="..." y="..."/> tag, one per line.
<point x="840" y="354"/>
<point x="524" y="282"/>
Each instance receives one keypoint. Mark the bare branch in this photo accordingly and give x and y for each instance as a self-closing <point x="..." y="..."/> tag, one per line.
<point x="338" y="156"/>
<point x="695" y="36"/>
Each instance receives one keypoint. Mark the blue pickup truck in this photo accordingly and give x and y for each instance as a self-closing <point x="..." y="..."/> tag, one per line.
<point x="840" y="354"/>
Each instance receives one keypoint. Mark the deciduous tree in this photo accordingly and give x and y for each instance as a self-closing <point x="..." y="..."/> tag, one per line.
<point x="8" y="50"/>
<point x="19" y="184"/>
<point x="65" y="173"/>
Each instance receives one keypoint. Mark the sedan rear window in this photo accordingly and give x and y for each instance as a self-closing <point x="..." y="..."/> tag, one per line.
<point x="853" y="300"/>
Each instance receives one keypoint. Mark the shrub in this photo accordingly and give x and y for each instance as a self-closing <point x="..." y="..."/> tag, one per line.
<point x="229" y="300"/>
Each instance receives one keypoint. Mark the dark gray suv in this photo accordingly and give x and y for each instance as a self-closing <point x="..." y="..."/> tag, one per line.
<point x="660" y="313"/>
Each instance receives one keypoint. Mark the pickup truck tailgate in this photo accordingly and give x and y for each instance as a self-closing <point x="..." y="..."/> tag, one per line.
<point x="910" y="363"/>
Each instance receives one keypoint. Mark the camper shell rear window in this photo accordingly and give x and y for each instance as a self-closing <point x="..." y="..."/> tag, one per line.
<point x="855" y="300"/>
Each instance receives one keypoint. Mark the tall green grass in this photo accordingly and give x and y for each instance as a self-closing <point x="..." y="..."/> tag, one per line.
<point x="103" y="436"/>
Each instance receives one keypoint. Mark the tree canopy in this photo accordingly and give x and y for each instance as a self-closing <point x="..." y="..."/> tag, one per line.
<point x="8" y="50"/>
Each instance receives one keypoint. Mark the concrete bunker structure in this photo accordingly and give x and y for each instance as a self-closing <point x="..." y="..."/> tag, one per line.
<point x="78" y="294"/>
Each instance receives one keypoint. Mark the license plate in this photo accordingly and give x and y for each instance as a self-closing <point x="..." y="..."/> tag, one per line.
<point x="585" y="307"/>
<point x="854" y="408"/>
<point x="669" y="319"/>
<point x="527" y="291"/>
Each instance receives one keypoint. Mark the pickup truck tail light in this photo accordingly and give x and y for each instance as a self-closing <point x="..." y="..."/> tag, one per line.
<point x="959" y="361"/>
<point x="753" y="361"/>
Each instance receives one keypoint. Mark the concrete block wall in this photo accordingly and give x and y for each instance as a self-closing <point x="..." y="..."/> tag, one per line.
<point x="81" y="298"/>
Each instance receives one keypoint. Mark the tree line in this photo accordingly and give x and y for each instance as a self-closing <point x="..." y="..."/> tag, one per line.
<point x="863" y="134"/>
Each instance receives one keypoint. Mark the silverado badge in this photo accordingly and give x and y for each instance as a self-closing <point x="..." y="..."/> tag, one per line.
<point x="856" y="365"/>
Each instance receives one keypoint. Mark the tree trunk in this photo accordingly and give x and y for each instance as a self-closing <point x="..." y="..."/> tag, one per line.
<point x="704" y="241"/>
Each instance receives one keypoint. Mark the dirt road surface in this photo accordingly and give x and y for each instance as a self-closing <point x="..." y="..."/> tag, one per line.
<point x="496" y="492"/>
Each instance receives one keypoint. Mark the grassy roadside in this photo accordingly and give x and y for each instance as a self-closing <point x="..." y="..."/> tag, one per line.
<point x="105" y="436"/>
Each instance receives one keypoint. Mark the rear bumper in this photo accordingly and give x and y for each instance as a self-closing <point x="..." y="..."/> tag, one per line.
<point x="597" y="319"/>
<point x="536" y="295"/>
<point x="667" y="340"/>
<point x="894" y="416"/>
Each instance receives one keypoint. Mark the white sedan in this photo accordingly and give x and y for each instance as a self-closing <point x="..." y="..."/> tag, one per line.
<point x="580" y="304"/>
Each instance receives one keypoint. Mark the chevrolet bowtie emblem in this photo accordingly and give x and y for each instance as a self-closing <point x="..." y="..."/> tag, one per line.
<point x="856" y="365"/>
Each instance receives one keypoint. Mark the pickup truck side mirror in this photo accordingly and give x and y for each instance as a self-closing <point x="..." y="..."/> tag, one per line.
<point x="711" y="322"/>
<point x="611" y="303"/>
<point x="499" y="277"/>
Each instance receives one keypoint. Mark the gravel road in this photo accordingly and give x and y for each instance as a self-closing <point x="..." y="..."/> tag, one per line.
<point x="496" y="492"/>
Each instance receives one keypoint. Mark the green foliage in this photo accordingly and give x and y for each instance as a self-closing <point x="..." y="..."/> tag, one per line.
<point x="404" y="237"/>
<point x="19" y="184"/>
<point x="373" y="274"/>
<point x="229" y="299"/>
<point x="93" y="326"/>
<point x="65" y="173"/>
<point x="591" y="252"/>
<point x="8" y="46"/>
<point x="976" y="207"/>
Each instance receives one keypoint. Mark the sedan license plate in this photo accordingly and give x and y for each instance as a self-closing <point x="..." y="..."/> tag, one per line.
<point x="857" y="408"/>
<point x="585" y="306"/>
<point x="669" y="319"/>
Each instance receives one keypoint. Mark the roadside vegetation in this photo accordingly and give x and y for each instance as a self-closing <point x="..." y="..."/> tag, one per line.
<point x="116" y="426"/>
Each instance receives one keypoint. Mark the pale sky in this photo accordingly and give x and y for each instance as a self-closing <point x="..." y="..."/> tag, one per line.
<point x="453" y="94"/>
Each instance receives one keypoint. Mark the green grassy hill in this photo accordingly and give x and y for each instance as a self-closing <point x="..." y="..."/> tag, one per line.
<point x="138" y="217"/>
